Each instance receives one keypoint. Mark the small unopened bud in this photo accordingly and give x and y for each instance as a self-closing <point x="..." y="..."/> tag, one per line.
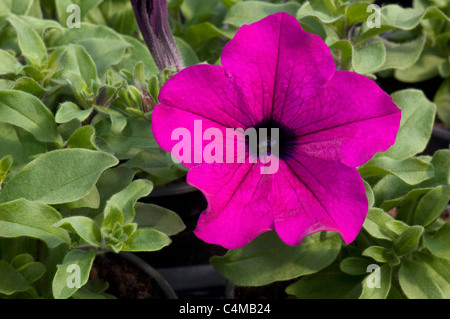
<point x="148" y="102"/>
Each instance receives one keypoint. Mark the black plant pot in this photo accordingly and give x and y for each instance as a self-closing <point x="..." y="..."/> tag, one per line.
<point x="440" y="139"/>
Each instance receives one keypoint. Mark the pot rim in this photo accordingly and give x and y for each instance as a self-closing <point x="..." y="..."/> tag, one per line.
<point x="441" y="133"/>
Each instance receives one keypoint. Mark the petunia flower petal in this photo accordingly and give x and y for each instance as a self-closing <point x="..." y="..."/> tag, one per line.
<point x="349" y="120"/>
<point x="275" y="62"/>
<point x="330" y="196"/>
<point x="199" y="93"/>
<point x="235" y="215"/>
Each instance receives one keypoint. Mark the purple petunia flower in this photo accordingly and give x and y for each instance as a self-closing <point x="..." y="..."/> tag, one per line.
<point x="275" y="75"/>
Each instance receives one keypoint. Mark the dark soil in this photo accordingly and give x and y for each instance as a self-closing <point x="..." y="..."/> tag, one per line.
<point x="126" y="281"/>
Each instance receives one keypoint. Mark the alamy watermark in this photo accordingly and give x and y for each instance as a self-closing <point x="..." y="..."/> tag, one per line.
<point x="74" y="279"/>
<point x="374" y="20"/>
<point x="374" y="279"/>
<point x="74" y="19"/>
<point x="252" y="145"/>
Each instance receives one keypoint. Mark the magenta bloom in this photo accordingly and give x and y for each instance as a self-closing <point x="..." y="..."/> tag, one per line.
<point x="276" y="75"/>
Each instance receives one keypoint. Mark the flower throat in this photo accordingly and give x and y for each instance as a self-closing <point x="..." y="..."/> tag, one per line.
<point x="272" y="138"/>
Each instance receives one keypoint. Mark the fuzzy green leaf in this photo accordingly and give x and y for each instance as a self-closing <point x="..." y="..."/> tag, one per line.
<point x="83" y="227"/>
<point x="267" y="259"/>
<point x="74" y="270"/>
<point x="159" y="218"/>
<point x="31" y="219"/>
<point x="28" y="112"/>
<point x="73" y="174"/>
<point x="146" y="240"/>
<point x="415" y="126"/>
<point x="416" y="281"/>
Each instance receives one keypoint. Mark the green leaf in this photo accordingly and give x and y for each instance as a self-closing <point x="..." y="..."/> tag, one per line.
<point x="5" y="165"/>
<point x="29" y="85"/>
<point x="317" y="10"/>
<point x="69" y="111"/>
<point x="83" y="227"/>
<point x="40" y="25"/>
<point x="31" y="219"/>
<point x="327" y="286"/>
<point x="8" y="63"/>
<point x="137" y="52"/>
<point x="124" y="20"/>
<point x="127" y="198"/>
<point x="188" y="55"/>
<point x="78" y="62"/>
<point x="251" y="11"/>
<point x="112" y="181"/>
<point x="442" y="100"/>
<point x="380" y="225"/>
<point x="19" y="144"/>
<point x="416" y="282"/>
<point x="364" y="59"/>
<point x="411" y="170"/>
<point x="230" y="3"/>
<point x="136" y="137"/>
<point x="84" y="137"/>
<point x="158" y="165"/>
<point x="146" y="240"/>
<point x="87" y="31"/>
<point x="371" y="291"/>
<point x="113" y="216"/>
<point x="118" y="120"/>
<point x="432" y="205"/>
<point x="354" y="266"/>
<point x="12" y="281"/>
<point x="408" y="240"/>
<point x="425" y="68"/>
<point x="21" y="260"/>
<point x="438" y="270"/>
<point x="93" y="290"/>
<point x="76" y="263"/>
<point x="73" y="174"/>
<point x="444" y="68"/>
<point x="402" y="55"/>
<point x="91" y="200"/>
<point x="105" y="46"/>
<point x="202" y="32"/>
<point x="104" y="52"/>
<point x="192" y="10"/>
<point x="28" y="112"/>
<point x="369" y="58"/>
<point x="32" y="272"/>
<point x="438" y="244"/>
<point x="30" y="43"/>
<point x="267" y="259"/>
<point x="378" y="253"/>
<point x="159" y="218"/>
<point x="415" y="126"/>
<point x="19" y="7"/>
<point x="369" y="194"/>
<point x="391" y="192"/>
<point x="356" y="13"/>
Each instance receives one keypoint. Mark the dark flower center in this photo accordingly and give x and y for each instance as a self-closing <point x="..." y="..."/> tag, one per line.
<point x="273" y="138"/>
